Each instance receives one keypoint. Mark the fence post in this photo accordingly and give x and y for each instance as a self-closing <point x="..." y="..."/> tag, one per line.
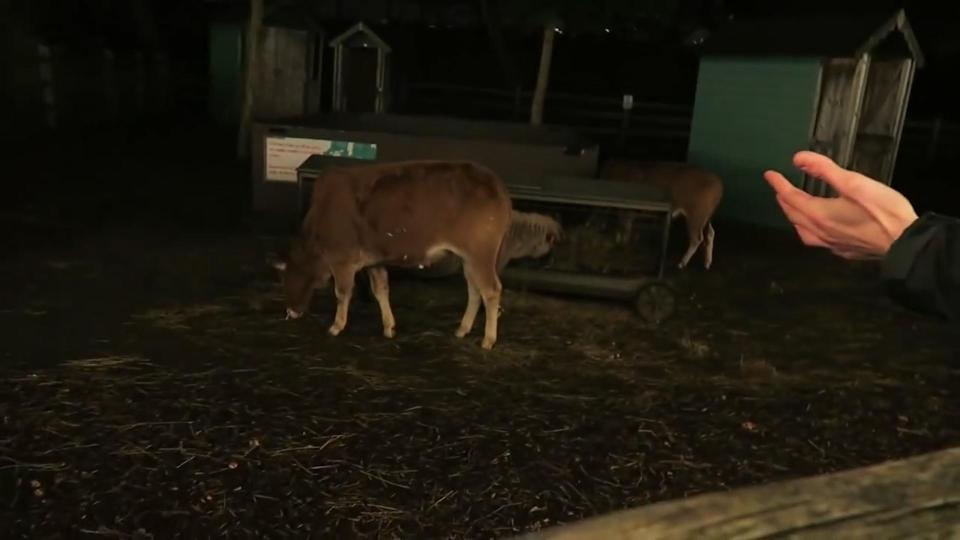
<point x="934" y="140"/>
<point x="47" y="94"/>
<point x="625" y="120"/>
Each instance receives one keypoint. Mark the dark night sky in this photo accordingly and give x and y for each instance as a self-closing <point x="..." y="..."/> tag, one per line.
<point x="654" y="69"/>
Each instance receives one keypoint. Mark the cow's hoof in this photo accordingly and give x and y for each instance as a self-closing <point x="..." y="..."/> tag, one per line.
<point x="487" y="343"/>
<point x="389" y="333"/>
<point x="461" y="332"/>
<point x="334" y="330"/>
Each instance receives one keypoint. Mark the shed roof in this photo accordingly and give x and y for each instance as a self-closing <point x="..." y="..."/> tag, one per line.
<point x="825" y="36"/>
<point x="292" y="16"/>
<point x="359" y="28"/>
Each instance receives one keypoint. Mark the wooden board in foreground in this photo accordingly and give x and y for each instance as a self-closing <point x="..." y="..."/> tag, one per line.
<point x="917" y="497"/>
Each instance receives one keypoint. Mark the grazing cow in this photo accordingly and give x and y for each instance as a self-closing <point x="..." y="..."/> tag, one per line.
<point x="695" y="193"/>
<point x="531" y="235"/>
<point x="406" y="214"/>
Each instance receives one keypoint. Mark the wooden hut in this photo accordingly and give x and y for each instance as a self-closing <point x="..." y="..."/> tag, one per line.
<point x="768" y="88"/>
<point x="361" y="71"/>
<point x="290" y="69"/>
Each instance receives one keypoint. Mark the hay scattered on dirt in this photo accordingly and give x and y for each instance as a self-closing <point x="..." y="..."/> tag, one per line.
<point x="221" y="418"/>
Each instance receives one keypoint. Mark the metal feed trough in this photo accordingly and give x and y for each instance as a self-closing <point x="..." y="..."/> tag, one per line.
<point x="539" y="164"/>
<point x="653" y="299"/>
<point x="280" y="147"/>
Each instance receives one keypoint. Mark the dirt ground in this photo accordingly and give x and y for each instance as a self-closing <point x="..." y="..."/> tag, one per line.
<point x="151" y="387"/>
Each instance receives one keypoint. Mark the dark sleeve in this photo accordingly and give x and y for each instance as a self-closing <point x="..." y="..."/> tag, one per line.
<point x="922" y="269"/>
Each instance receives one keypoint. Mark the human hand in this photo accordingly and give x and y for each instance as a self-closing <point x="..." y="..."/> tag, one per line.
<point x="861" y="223"/>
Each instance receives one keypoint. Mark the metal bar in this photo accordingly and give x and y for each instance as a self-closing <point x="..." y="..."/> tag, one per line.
<point x="593" y="285"/>
<point x="649" y="206"/>
<point x="592" y="192"/>
<point x="662" y="263"/>
<point x="589" y="284"/>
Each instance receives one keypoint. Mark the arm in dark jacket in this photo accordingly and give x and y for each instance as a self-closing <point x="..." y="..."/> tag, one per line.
<point x="922" y="267"/>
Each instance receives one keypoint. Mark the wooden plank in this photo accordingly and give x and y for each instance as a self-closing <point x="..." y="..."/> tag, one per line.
<point x="543" y="76"/>
<point x="254" y="25"/>
<point x="458" y="91"/>
<point x="915" y="497"/>
<point x="903" y="100"/>
<point x="834" y="114"/>
<point x="881" y="106"/>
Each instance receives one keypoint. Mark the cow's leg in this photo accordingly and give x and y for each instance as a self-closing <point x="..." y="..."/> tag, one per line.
<point x="695" y="234"/>
<point x="473" y="305"/>
<point x="483" y="272"/>
<point x="708" y="246"/>
<point x="380" y="286"/>
<point x="343" y="279"/>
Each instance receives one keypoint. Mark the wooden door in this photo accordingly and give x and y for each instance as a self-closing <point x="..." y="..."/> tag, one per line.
<point x="835" y="113"/>
<point x="360" y="80"/>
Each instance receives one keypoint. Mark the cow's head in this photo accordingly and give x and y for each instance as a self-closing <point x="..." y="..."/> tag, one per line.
<point x="301" y="272"/>
<point x="531" y="235"/>
<point x="543" y="237"/>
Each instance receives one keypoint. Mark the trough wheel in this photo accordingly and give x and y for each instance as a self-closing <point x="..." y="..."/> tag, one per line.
<point x="655" y="302"/>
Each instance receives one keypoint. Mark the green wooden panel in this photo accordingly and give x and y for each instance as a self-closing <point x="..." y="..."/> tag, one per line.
<point x="752" y="114"/>
<point x="226" y="68"/>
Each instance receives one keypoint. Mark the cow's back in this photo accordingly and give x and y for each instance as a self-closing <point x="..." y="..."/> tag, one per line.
<point x="689" y="185"/>
<point x="398" y="211"/>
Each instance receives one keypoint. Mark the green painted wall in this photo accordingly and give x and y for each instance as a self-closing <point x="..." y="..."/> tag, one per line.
<point x="226" y="68"/>
<point x="752" y="114"/>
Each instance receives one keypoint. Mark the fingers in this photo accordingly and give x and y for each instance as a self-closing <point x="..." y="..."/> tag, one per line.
<point x="809" y="237"/>
<point x="777" y="181"/>
<point x="808" y="228"/>
<point x="801" y="211"/>
<point x="824" y="168"/>
<point x="788" y="192"/>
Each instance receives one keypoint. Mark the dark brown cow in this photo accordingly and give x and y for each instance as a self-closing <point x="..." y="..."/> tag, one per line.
<point x="407" y="214"/>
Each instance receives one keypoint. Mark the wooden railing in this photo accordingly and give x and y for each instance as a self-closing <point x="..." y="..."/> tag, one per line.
<point x="655" y="128"/>
<point x="54" y="87"/>
<point x="915" y="497"/>
<point x="646" y="129"/>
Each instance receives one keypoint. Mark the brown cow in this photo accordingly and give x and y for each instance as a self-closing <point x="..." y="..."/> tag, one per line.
<point x="406" y="214"/>
<point x="695" y="193"/>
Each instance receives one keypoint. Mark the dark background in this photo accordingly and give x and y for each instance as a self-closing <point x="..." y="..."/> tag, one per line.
<point x="645" y="48"/>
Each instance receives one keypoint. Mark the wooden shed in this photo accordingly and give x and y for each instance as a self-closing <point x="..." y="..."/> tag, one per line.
<point x="290" y="69"/>
<point x="768" y="88"/>
<point x="361" y="71"/>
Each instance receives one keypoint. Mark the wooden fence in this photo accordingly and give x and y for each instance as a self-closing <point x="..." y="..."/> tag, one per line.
<point x="645" y="130"/>
<point x="909" y="498"/>
<point x="50" y="87"/>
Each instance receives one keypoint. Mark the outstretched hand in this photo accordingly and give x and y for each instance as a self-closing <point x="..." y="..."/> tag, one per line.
<point x="861" y="223"/>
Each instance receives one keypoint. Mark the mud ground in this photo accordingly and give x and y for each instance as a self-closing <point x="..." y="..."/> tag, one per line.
<point x="151" y="387"/>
